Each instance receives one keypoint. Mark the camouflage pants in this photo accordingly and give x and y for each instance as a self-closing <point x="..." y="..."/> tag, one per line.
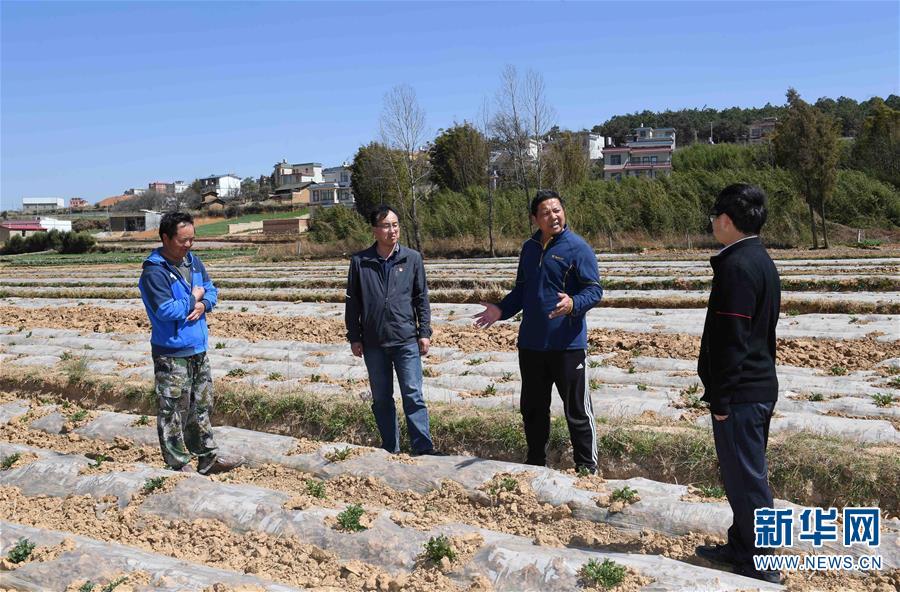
<point x="185" y="396"/>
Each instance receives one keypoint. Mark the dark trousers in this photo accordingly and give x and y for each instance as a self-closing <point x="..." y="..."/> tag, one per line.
<point x="540" y="371"/>
<point x="741" y="447"/>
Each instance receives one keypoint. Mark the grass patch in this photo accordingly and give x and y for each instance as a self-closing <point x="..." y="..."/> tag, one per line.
<point x="817" y="397"/>
<point x="429" y="372"/>
<point x="349" y="518"/>
<point x="338" y="454"/>
<point x="606" y="575"/>
<point x="220" y="345"/>
<point x="79" y="415"/>
<point x="625" y="494"/>
<point x="475" y="361"/>
<point x="276" y="376"/>
<point x="221" y="227"/>
<point x="883" y="399"/>
<point x="594" y="364"/>
<point x="76" y="370"/>
<point x="236" y="373"/>
<point x="489" y="391"/>
<point x="8" y="461"/>
<point x="315" y="488"/>
<point x="152" y="484"/>
<point x="20" y="551"/>
<point x="838" y="371"/>
<point x="714" y="491"/>
<point x="142" y="421"/>
<point x="439" y="547"/>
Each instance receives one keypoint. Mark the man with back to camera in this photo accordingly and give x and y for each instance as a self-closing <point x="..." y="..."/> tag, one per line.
<point x="737" y="368"/>
<point x="177" y="293"/>
<point x="388" y="319"/>
<point x="557" y="282"/>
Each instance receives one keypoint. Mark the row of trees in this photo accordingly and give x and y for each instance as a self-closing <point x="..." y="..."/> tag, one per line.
<point x="62" y="242"/>
<point x="732" y="124"/>
<point x="515" y="149"/>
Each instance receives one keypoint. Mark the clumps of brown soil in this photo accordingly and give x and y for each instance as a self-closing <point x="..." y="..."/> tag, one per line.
<point x="346" y="453"/>
<point x="842" y="581"/>
<point x="633" y="582"/>
<point x="616" y="500"/>
<point x="403" y="459"/>
<point x="855" y="354"/>
<point x="594" y="483"/>
<point x="278" y="558"/>
<point x="121" y="450"/>
<point x="893" y="420"/>
<point x="696" y="495"/>
<point x="40" y="554"/>
<point x="127" y="582"/>
<point x="304" y="446"/>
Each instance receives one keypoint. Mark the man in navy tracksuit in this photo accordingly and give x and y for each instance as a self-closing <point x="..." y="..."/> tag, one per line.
<point x="557" y="282"/>
<point x="177" y="294"/>
<point x="737" y="368"/>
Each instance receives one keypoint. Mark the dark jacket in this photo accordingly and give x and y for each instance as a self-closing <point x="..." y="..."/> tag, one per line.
<point x="168" y="300"/>
<point x="567" y="264"/>
<point x="737" y="352"/>
<point x="391" y="311"/>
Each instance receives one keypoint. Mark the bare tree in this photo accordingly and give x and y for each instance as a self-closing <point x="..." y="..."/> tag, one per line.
<point x="510" y="125"/>
<point x="403" y="130"/>
<point x="540" y="118"/>
<point x="484" y="124"/>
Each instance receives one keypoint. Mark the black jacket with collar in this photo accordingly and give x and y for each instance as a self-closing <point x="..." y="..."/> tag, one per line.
<point x="737" y="352"/>
<point x="391" y="311"/>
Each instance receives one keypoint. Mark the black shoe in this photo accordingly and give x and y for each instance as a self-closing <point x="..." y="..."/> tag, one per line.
<point x="431" y="452"/>
<point x="717" y="554"/>
<point x="747" y="570"/>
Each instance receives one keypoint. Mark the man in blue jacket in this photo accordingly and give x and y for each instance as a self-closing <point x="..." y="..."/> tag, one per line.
<point x="177" y="294"/>
<point x="557" y="282"/>
<point x="737" y="368"/>
<point x="388" y="319"/>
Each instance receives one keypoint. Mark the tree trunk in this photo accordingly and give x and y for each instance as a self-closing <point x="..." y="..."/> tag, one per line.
<point x="812" y="226"/>
<point x="491" y="219"/>
<point x="824" y="227"/>
<point x="415" y="220"/>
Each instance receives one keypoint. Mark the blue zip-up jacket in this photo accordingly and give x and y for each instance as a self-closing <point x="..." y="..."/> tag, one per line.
<point x="168" y="301"/>
<point x="566" y="264"/>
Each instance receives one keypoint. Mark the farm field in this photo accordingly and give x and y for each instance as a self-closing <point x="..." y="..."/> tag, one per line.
<point x="319" y="509"/>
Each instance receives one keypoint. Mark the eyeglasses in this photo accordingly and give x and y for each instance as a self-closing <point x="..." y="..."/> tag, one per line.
<point x="712" y="218"/>
<point x="394" y="226"/>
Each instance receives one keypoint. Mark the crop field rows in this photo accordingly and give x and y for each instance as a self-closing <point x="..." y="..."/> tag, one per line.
<point x="318" y="508"/>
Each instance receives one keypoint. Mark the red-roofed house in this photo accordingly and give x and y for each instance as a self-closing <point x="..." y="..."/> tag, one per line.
<point x="22" y="228"/>
<point x="648" y="153"/>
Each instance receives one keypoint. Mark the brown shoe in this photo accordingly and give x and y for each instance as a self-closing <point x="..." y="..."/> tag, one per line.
<point x="219" y="464"/>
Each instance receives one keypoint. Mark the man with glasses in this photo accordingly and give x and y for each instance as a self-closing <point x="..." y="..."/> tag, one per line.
<point x="737" y="368"/>
<point x="388" y="321"/>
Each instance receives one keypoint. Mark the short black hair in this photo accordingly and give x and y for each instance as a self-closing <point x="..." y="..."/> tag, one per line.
<point x="170" y="222"/>
<point x="544" y="195"/>
<point x="746" y="206"/>
<point x="380" y="213"/>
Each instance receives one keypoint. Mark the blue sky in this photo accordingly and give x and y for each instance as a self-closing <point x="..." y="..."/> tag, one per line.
<point x="99" y="97"/>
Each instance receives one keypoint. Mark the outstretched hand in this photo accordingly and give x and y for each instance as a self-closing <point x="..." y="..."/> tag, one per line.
<point x="490" y="315"/>
<point x="563" y="307"/>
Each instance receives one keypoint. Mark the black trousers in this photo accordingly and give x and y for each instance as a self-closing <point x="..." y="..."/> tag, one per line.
<point x="566" y="369"/>
<point x="741" y="447"/>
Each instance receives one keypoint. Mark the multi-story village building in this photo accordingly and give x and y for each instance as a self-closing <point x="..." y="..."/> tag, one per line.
<point x="224" y="185"/>
<point x="648" y="153"/>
